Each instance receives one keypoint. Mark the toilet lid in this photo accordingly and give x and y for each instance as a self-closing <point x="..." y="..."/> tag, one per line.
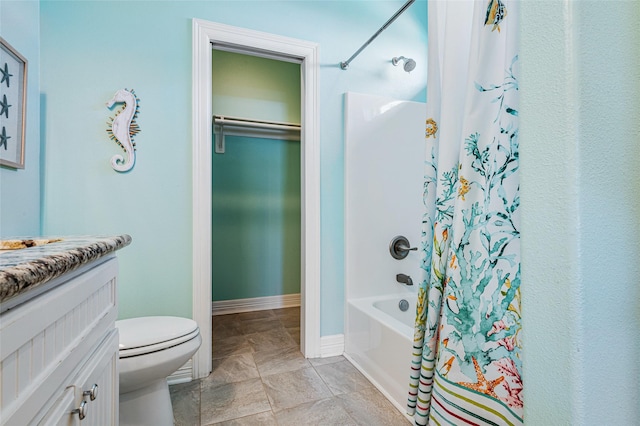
<point x="151" y="331"/>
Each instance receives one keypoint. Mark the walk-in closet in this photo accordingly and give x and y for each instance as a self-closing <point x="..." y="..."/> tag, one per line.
<point x="256" y="210"/>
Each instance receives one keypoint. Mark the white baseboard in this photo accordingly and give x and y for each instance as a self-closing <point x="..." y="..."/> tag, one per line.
<point x="223" y="307"/>
<point x="331" y="345"/>
<point x="183" y="375"/>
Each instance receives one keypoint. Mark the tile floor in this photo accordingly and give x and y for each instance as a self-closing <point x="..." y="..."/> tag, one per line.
<point x="260" y="377"/>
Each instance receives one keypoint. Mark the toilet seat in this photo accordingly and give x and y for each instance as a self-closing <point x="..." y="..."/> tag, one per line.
<point x="145" y="335"/>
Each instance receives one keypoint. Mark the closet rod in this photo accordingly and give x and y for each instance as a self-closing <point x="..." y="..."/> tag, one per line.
<point x="244" y="122"/>
<point x="265" y="128"/>
<point x="344" y="65"/>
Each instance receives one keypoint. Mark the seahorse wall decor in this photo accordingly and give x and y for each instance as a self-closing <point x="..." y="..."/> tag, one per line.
<point x="123" y="127"/>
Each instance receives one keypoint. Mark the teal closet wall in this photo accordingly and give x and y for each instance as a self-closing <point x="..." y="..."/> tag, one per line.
<point x="256" y="182"/>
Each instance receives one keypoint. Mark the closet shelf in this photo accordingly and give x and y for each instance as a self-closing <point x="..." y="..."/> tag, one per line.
<point x="236" y="126"/>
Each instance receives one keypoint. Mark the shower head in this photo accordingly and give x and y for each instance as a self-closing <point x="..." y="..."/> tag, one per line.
<point x="409" y="64"/>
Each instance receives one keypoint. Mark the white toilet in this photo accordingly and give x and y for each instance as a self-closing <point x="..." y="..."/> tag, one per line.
<point x="152" y="348"/>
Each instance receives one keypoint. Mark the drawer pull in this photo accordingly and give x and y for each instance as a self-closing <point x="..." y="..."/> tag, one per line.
<point x="93" y="393"/>
<point x="82" y="410"/>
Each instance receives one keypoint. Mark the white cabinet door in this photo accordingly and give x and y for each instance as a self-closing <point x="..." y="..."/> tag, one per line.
<point x="101" y="375"/>
<point x="97" y="378"/>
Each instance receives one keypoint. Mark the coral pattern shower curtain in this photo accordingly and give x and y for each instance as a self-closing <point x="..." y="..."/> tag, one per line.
<point x="467" y="350"/>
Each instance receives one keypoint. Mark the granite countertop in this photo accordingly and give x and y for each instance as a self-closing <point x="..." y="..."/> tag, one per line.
<point x="26" y="269"/>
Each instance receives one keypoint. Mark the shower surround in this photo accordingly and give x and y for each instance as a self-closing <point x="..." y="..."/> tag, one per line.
<point x="384" y="159"/>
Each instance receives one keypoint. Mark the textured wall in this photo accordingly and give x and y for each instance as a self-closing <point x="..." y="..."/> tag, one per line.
<point x="579" y="143"/>
<point x="551" y="308"/>
<point x="609" y="220"/>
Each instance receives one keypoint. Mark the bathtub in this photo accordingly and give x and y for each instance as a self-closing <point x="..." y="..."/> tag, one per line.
<point x="379" y="341"/>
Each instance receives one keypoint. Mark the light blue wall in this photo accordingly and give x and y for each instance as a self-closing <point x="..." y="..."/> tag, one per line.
<point x="256" y="182"/>
<point x="92" y="48"/>
<point x="581" y="212"/>
<point x="609" y="180"/>
<point x="20" y="189"/>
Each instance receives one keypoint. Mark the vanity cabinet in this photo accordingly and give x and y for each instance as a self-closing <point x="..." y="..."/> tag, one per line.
<point x="59" y="352"/>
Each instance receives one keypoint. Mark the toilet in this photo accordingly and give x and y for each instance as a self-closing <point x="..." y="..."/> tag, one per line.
<point x="151" y="349"/>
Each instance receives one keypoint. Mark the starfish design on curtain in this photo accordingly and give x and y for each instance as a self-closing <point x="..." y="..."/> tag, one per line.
<point x="5" y="74"/>
<point x="483" y="385"/>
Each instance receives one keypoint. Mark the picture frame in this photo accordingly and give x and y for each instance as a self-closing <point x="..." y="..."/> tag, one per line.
<point x="13" y="104"/>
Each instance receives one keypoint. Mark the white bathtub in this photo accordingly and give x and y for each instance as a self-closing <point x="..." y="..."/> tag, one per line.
<point x="378" y="341"/>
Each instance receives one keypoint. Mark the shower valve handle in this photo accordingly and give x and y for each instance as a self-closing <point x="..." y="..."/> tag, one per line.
<point x="400" y="247"/>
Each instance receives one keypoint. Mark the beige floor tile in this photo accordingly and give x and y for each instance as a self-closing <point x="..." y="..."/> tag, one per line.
<point x="342" y="377"/>
<point x="287" y="312"/>
<point x="185" y="399"/>
<point x="265" y="314"/>
<point x="225" y="329"/>
<point x="236" y="368"/>
<point x="322" y="361"/>
<point x="286" y="390"/>
<point x="326" y="412"/>
<point x="229" y="346"/>
<point x="279" y="360"/>
<point x="260" y="325"/>
<point x="224" y="319"/>
<point x="263" y="419"/>
<point x="271" y="339"/>
<point x="232" y="401"/>
<point x="295" y="334"/>
<point x="260" y="377"/>
<point x="371" y="408"/>
<point x="290" y="321"/>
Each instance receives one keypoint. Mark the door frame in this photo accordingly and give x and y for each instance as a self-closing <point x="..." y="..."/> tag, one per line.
<point x="257" y="43"/>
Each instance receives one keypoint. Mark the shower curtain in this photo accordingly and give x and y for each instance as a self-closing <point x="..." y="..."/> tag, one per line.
<point x="466" y="360"/>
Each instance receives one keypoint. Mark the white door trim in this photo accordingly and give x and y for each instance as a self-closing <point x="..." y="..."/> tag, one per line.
<point x="204" y="33"/>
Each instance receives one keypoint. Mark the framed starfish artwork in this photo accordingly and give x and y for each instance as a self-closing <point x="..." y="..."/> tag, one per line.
<point x="13" y="99"/>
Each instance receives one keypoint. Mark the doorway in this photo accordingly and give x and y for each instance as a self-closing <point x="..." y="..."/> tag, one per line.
<point x="256" y="184"/>
<point x="205" y="36"/>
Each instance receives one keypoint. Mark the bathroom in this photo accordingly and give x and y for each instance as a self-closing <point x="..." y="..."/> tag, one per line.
<point x="79" y="54"/>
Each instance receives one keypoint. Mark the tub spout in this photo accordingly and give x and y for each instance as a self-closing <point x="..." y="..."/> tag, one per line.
<point x="405" y="279"/>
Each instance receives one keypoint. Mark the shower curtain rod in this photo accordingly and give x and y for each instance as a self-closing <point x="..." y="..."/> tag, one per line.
<point x="344" y="65"/>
